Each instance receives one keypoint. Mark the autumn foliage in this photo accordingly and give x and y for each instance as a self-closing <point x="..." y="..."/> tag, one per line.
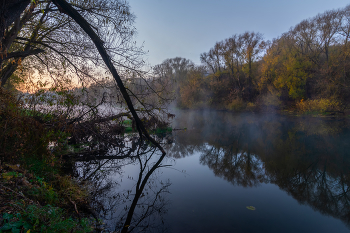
<point x="306" y="68"/>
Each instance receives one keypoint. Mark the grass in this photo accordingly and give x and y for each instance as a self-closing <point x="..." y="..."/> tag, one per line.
<point x="43" y="219"/>
<point x="127" y="122"/>
<point x="40" y="168"/>
<point x="32" y="203"/>
<point x="128" y="130"/>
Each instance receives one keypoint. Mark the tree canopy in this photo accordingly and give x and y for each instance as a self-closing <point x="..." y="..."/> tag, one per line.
<point x="306" y="68"/>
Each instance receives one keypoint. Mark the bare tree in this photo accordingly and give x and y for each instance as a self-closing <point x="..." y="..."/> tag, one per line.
<point x="68" y="9"/>
<point x="214" y="58"/>
<point x="61" y="48"/>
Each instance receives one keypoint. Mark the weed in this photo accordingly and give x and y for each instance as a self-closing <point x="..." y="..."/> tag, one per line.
<point x="40" y="167"/>
<point x="9" y="175"/>
<point x="127" y="122"/>
<point x="128" y="130"/>
<point x="43" y="219"/>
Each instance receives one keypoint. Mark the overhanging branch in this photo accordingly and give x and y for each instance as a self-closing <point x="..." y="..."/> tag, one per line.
<point x="66" y="8"/>
<point x="22" y="53"/>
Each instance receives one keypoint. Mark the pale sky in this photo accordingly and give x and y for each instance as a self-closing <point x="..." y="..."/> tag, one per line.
<point x="187" y="28"/>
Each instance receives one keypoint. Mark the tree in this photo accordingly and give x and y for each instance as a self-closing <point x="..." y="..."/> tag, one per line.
<point x="309" y="60"/>
<point x="173" y="74"/>
<point x="68" y="52"/>
<point x="192" y="90"/>
<point x="252" y="46"/>
<point x="10" y="10"/>
<point x="285" y="68"/>
<point x="68" y="9"/>
<point x="213" y="59"/>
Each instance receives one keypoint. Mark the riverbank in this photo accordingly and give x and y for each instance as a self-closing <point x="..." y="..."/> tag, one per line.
<point x="36" y="193"/>
<point x="38" y="151"/>
<point x="291" y="111"/>
<point x="37" y="198"/>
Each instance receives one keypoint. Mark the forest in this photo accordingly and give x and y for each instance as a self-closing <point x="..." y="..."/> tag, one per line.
<point x="305" y="69"/>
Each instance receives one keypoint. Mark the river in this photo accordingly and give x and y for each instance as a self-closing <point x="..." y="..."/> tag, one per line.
<point x="231" y="173"/>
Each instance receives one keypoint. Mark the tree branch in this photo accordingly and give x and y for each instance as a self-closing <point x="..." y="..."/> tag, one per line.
<point x="23" y="53"/>
<point x="74" y="14"/>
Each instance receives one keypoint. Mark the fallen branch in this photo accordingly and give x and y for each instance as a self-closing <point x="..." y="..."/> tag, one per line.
<point x="106" y="119"/>
<point x="19" y="194"/>
<point x="75" y="205"/>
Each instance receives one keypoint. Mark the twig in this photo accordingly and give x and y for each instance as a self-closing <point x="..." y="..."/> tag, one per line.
<point x="19" y="194"/>
<point x="75" y="206"/>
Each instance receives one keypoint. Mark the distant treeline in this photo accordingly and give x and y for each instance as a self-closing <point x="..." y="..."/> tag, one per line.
<point x="306" y="68"/>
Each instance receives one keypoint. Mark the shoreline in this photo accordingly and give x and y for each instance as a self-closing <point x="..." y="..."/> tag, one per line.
<point x="287" y="112"/>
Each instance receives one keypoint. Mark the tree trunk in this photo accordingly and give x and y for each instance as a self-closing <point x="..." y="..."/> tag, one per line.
<point x="66" y="8"/>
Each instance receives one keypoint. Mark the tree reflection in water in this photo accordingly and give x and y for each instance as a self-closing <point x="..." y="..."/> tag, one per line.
<point x="138" y="209"/>
<point x="308" y="158"/>
<point x="239" y="168"/>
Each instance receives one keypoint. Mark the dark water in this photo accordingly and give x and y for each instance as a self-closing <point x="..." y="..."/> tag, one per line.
<point x="293" y="171"/>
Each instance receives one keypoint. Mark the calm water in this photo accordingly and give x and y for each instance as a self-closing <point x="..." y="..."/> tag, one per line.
<point x="294" y="172"/>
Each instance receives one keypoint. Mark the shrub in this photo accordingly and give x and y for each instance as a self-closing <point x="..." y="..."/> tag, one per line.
<point x="318" y="105"/>
<point x="236" y="105"/>
<point x="43" y="219"/>
<point x="270" y="100"/>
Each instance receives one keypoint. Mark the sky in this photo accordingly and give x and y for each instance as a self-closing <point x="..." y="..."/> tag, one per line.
<point x="187" y="28"/>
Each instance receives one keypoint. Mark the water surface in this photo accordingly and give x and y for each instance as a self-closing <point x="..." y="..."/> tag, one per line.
<point x="294" y="171"/>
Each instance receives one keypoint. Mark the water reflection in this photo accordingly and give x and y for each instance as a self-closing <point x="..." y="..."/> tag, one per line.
<point x="241" y="168"/>
<point x="139" y="207"/>
<point x="307" y="157"/>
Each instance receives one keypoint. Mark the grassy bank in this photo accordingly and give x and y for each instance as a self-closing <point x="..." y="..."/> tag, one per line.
<point x="36" y="194"/>
<point x="46" y="203"/>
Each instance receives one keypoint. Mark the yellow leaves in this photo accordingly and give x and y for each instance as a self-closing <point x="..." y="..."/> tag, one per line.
<point x="19" y="62"/>
<point x="250" y="207"/>
<point x="6" y="176"/>
<point x="318" y="105"/>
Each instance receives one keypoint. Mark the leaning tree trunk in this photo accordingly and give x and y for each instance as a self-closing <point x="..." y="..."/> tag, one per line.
<point x="66" y="8"/>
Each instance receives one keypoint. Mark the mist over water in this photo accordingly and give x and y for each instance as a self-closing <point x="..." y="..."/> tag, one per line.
<point x="293" y="174"/>
<point x="293" y="170"/>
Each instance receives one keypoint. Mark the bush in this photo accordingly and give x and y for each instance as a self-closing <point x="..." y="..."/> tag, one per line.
<point x="318" y="105"/>
<point x="236" y="105"/>
<point x="43" y="219"/>
<point x="270" y="100"/>
<point x="20" y="134"/>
